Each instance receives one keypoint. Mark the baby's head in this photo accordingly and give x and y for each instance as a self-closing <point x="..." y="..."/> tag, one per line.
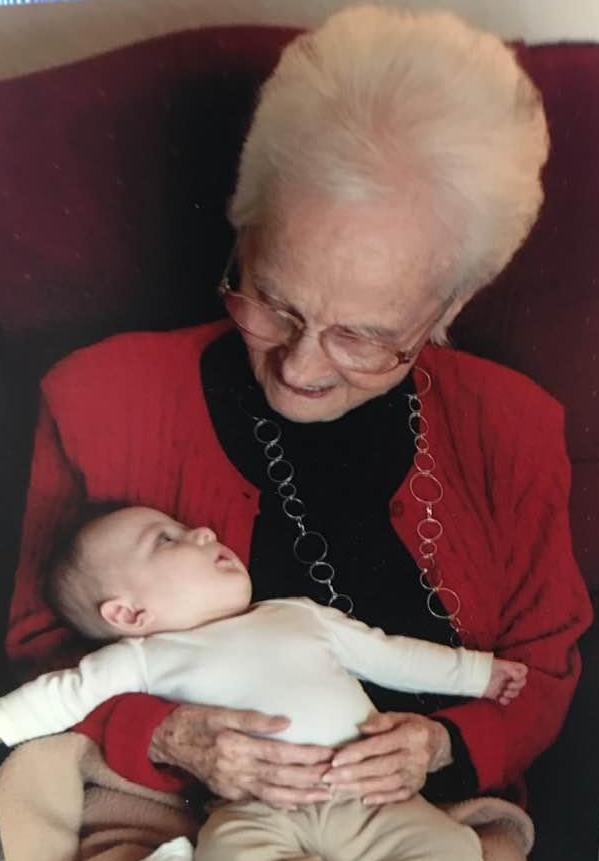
<point x="136" y="571"/>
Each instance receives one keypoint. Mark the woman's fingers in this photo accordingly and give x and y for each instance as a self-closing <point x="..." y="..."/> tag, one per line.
<point x="375" y="746"/>
<point x="281" y="786"/>
<point x="404" y="783"/>
<point x="410" y="767"/>
<point x="215" y="719"/>
<point x="395" y="760"/>
<point x="379" y="766"/>
<point x="248" y="785"/>
<point x="406" y="735"/>
<point x="262" y="763"/>
<point x="297" y="776"/>
<point x="291" y="776"/>
<point x="273" y="751"/>
<point x="213" y="745"/>
<point x="383" y="721"/>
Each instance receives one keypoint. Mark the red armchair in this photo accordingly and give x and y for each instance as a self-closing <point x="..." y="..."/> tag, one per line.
<point x="113" y="178"/>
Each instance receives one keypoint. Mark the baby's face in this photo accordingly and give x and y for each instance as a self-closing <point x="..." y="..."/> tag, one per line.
<point x="182" y="577"/>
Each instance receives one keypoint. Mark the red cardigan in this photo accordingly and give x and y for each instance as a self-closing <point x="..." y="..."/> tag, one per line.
<point x="126" y="420"/>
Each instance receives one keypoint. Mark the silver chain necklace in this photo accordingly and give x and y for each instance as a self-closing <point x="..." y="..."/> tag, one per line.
<point x="311" y="548"/>
<point x="281" y="472"/>
<point x="428" y="491"/>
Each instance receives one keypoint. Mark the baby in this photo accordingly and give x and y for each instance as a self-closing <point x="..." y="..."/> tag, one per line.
<point x="178" y="604"/>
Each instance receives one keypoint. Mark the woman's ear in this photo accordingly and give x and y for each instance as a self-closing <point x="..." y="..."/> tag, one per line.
<point x="128" y="620"/>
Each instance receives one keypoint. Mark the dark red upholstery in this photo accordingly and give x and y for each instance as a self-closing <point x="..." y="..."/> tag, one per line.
<point x="113" y="178"/>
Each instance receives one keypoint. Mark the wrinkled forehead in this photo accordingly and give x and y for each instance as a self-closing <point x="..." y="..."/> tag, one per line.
<point x="387" y="253"/>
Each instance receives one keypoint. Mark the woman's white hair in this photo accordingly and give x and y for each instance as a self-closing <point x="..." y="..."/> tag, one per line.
<point x="378" y="101"/>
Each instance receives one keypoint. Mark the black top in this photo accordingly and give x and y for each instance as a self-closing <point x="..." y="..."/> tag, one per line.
<point x="346" y="472"/>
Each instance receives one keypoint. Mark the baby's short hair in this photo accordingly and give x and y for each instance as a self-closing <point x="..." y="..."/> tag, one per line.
<point x="72" y="588"/>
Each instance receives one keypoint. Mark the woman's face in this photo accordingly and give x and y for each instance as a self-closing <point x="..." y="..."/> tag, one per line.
<point x="365" y="267"/>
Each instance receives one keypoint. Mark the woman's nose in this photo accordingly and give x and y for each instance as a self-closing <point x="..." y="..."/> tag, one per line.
<point x="202" y="535"/>
<point x="304" y="363"/>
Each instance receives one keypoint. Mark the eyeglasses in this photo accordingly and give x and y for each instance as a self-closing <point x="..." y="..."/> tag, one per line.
<point x="271" y="326"/>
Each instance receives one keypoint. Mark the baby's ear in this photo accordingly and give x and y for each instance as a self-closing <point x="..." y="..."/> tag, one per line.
<point x="128" y="620"/>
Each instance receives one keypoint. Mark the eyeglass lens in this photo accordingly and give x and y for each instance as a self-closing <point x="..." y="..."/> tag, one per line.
<point x="276" y="327"/>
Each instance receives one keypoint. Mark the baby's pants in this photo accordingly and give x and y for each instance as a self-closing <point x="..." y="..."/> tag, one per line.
<point x="337" y="830"/>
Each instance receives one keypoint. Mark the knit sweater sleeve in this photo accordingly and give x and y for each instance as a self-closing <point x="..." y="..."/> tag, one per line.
<point x="122" y="727"/>
<point x="545" y="605"/>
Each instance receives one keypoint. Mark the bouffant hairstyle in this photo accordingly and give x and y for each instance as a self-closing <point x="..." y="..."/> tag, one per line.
<point x="378" y="101"/>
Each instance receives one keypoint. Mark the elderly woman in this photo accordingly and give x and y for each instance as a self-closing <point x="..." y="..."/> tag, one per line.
<point x="391" y="171"/>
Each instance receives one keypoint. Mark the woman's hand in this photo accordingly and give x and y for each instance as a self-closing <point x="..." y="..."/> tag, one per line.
<point x="392" y="764"/>
<point x="213" y="744"/>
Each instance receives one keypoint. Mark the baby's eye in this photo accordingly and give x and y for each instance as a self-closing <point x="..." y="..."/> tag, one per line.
<point x="164" y="538"/>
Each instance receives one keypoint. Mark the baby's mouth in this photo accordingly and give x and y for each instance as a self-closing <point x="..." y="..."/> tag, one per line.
<point x="226" y="560"/>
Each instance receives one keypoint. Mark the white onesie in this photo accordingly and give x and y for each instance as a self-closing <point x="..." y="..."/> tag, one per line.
<point x="287" y="657"/>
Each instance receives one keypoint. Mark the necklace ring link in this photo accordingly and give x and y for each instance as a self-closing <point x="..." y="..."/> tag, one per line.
<point x="311" y="535"/>
<point x="280" y="463"/>
<point x="325" y="576"/>
<point x="267" y="425"/>
<point x="434" y="483"/>
<point x="342" y="602"/>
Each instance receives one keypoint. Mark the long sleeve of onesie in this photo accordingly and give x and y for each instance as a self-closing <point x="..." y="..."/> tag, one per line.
<point x="404" y="663"/>
<point x="57" y="700"/>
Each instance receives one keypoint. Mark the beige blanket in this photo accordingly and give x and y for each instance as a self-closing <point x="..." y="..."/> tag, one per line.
<point x="60" y="802"/>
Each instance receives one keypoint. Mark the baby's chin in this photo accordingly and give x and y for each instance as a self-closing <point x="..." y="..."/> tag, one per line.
<point x="236" y="608"/>
<point x="245" y="604"/>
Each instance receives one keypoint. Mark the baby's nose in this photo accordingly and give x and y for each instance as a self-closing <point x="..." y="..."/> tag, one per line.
<point x="202" y="535"/>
